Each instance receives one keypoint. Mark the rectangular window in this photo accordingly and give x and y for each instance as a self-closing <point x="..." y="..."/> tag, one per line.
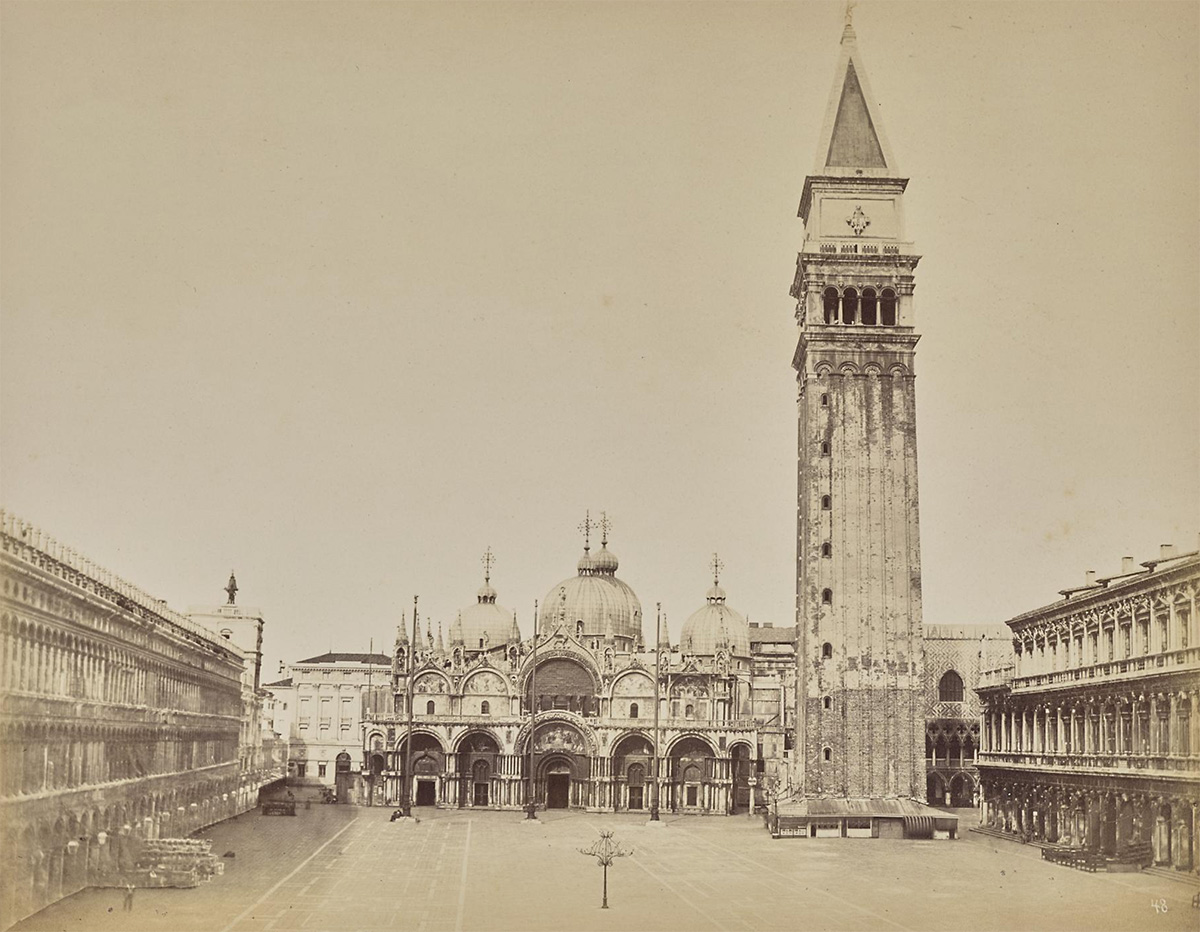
<point x="320" y="770"/>
<point x="300" y="769"/>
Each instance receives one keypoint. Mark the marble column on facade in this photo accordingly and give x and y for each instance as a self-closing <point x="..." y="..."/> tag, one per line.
<point x="1152" y="722"/>
<point x="1173" y="742"/>
<point x="1193" y="726"/>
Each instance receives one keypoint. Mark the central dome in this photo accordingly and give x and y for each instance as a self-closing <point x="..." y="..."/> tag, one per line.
<point x="596" y="598"/>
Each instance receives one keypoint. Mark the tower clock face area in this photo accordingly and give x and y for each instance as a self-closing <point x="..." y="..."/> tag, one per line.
<point x="858" y="585"/>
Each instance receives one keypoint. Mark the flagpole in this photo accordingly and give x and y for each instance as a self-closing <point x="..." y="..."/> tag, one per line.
<point x="406" y="797"/>
<point x="657" y="666"/>
<point x="530" y="791"/>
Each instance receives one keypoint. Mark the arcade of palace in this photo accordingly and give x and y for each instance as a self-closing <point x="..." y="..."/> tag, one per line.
<point x="120" y="721"/>
<point x="1091" y="738"/>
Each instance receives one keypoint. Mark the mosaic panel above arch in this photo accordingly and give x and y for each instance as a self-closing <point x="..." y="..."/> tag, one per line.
<point x="633" y="684"/>
<point x="430" y="683"/>
<point x="486" y="683"/>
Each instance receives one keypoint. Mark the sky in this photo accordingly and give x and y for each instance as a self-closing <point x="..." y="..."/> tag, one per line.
<point x="338" y="296"/>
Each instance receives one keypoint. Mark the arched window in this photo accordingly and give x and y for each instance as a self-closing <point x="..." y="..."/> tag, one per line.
<point x="824" y="447"/>
<point x="826" y="596"/>
<point x="887" y="308"/>
<point x="827" y="702"/>
<point x="831" y="305"/>
<point x="633" y="710"/>
<point x="827" y="549"/>
<point x="689" y="711"/>
<point x="849" y="306"/>
<point x="828" y="753"/>
<point x="826" y="502"/>
<point x="429" y="707"/>
<point x="869" y="316"/>
<point x="485" y="708"/>
<point x="950" y="687"/>
<point x="826" y="651"/>
<point x="825" y="401"/>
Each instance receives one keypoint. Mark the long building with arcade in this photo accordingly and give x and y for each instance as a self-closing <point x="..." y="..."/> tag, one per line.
<point x="1091" y="737"/>
<point x="120" y="723"/>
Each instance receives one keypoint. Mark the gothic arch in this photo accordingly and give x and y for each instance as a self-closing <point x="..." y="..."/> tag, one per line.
<point x="633" y="733"/>
<point x="679" y="739"/>
<point x="430" y="675"/>
<point x="474" y="732"/>
<point x="418" y="732"/>
<point x="633" y="672"/>
<point x="568" y="652"/>
<point x="505" y="685"/>
<point x="552" y="716"/>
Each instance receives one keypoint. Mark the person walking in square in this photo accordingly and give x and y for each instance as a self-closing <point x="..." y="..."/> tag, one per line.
<point x="128" y="897"/>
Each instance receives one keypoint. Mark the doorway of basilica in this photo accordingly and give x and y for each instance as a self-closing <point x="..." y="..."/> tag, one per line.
<point x="557" y="774"/>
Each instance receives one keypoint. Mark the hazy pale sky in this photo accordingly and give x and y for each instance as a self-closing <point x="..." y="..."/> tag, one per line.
<point x="340" y="295"/>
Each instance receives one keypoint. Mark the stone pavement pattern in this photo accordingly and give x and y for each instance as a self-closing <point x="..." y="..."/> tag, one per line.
<point x="335" y="867"/>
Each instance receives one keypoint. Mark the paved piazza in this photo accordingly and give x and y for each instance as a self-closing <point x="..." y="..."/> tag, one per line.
<point x="347" y="868"/>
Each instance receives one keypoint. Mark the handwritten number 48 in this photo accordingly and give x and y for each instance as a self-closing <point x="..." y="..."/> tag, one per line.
<point x="1160" y="906"/>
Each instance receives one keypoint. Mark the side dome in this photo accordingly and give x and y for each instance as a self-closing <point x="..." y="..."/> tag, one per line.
<point x="596" y="598"/>
<point x="484" y="624"/>
<point x="715" y="625"/>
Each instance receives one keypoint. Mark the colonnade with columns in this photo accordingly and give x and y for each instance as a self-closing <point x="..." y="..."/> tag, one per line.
<point x="1158" y="725"/>
<point x="1138" y="821"/>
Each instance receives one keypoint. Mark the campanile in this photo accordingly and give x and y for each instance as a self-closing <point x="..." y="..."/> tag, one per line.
<point x="860" y="725"/>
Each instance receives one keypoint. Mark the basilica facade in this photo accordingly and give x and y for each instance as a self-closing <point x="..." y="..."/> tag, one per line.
<point x="568" y="718"/>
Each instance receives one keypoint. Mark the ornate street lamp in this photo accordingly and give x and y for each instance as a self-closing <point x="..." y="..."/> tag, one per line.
<point x="605" y="851"/>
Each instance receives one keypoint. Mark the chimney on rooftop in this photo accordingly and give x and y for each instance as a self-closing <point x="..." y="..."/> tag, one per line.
<point x="1128" y="566"/>
<point x="1089" y="578"/>
<point x="1166" y="551"/>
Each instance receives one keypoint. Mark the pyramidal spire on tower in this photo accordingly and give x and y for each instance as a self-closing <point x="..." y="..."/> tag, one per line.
<point x="852" y="141"/>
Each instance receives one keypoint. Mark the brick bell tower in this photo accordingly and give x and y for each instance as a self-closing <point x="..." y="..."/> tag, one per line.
<point x="860" y="726"/>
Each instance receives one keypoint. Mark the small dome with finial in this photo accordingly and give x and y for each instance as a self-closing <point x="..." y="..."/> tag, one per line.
<point x="716" y="625"/>
<point x="485" y="624"/>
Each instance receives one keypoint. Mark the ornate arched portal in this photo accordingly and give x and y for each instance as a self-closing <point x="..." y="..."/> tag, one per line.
<point x="632" y="772"/>
<point x="428" y="767"/>
<point x="692" y="774"/>
<point x="562" y="753"/>
<point x="478" y="765"/>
